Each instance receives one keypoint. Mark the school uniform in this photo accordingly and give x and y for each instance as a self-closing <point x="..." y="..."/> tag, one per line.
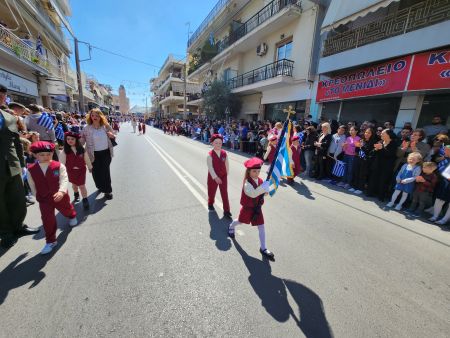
<point x="76" y="166"/>
<point x="218" y="167"/>
<point x="252" y="199"/>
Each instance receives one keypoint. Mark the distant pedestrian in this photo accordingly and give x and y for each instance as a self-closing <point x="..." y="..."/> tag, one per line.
<point x="139" y="128"/>
<point x="143" y="128"/>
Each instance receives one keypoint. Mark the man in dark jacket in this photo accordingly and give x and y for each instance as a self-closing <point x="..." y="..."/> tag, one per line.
<point x="12" y="195"/>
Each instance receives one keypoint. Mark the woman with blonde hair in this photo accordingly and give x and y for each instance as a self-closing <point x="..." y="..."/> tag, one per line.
<point x="322" y="145"/>
<point x="98" y="137"/>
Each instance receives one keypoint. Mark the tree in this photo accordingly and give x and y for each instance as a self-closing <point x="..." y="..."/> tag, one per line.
<point x="217" y="98"/>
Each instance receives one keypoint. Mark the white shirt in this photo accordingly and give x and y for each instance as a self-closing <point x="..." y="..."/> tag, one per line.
<point x="63" y="178"/>
<point x="252" y="192"/>
<point x="100" y="139"/>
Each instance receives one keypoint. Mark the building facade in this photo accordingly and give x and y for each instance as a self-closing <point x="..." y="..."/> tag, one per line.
<point x="386" y="60"/>
<point x="121" y="102"/>
<point x="266" y="52"/>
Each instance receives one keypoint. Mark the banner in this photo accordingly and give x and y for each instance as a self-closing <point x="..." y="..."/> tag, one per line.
<point x="430" y="70"/>
<point x="383" y="78"/>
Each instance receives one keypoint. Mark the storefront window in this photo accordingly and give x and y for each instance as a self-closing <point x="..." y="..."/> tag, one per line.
<point x="25" y="100"/>
<point x="274" y="111"/>
<point x="435" y="105"/>
<point x="379" y="110"/>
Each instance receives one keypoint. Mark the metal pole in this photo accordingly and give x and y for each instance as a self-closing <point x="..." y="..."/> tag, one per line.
<point x="80" y="85"/>
<point x="185" y="85"/>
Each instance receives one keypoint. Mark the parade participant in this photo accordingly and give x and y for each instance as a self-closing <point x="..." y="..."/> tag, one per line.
<point x="133" y="124"/>
<point x="406" y="179"/>
<point x="271" y="149"/>
<point x="218" y="168"/>
<point x="143" y="128"/>
<point x="295" y="159"/>
<point x="139" y="128"/>
<point x="252" y="199"/>
<point x="48" y="181"/>
<point x="75" y="158"/>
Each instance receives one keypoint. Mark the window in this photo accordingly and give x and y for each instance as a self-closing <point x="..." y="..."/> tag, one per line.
<point x="284" y="51"/>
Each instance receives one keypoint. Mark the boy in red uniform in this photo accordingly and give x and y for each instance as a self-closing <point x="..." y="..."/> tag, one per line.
<point x="295" y="159"/>
<point x="48" y="181"/>
<point x="217" y="162"/>
<point x="252" y="199"/>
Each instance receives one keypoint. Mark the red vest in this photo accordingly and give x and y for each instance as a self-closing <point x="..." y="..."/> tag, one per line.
<point x="46" y="185"/>
<point x="296" y="159"/>
<point x="271" y="156"/>
<point x="73" y="160"/>
<point x="248" y="202"/>
<point x="219" y="162"/>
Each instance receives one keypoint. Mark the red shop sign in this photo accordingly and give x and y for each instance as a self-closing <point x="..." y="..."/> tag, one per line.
<point x="387" y="77"/>
<point x="430" y="70"/>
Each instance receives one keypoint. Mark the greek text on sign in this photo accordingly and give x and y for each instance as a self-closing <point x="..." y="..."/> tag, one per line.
<point x="431" y="70"/>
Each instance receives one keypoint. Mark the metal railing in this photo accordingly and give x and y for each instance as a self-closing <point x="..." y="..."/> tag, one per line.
<point x="256" y="20"/>
<point x="420" y="15"/>
<point x="282" y="67"/>
<point x="209" y="18"/>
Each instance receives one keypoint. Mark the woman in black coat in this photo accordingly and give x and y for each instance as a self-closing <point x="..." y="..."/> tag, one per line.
<point x="364" y="160"/>
<point x="383" y="164"/>
<point x="322" y="145"/>
<point x="309" y="149"/>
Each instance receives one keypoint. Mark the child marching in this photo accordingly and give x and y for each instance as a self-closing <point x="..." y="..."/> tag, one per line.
<point x="49" y="182"/>
<point x="217" y="162"/>
<point x="295" y="158"/>
<point x="252" y="199"/>
<point x="75" y="158"/>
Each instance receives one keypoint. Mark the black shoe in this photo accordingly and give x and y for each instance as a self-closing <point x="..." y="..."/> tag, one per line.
<point x="211" y="208"/>
<point x="26" y="230"/>
<point x="227" y="214"/>
<point x="268" y="254"/>
<point x="85" y="203"/>
<point x="108" y="196"/>
<point x="8" y="242"/>
<point x="231" y="234"/>
<point x="76" y="197"/>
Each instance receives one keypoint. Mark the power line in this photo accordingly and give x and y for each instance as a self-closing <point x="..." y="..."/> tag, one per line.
<point x="125" y="57"/>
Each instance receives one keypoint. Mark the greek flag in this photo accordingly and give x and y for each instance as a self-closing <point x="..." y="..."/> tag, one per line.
<point x="362" y="154"/>
<point x="443" y="164"/>
<point x="338" y="169"/>
<point x="59" y="132"/>
<point x="39" y="48"/>
<point x="46" y="121"/>
<point x="281" y="167"/>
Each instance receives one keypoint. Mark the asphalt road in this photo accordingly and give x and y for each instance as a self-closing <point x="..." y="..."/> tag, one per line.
<point x="154" y="262"/>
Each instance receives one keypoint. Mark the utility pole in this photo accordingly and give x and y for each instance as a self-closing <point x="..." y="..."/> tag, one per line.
<point x="185" y="71"/>
<point x="80" y="85"/>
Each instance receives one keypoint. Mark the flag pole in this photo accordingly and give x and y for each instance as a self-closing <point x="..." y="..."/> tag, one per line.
<point x="289" y="112"/>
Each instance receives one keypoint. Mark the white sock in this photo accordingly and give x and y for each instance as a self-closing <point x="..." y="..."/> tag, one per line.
<point x="438" y="204"/>
<point x="395" y="195"/>
<point x="403" y="199"/>
<point x="233" y="225"/>
<point x="262" y="236"/>
<point x="446" y="216"/>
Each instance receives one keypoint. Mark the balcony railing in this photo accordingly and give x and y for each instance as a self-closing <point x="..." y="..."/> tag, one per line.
<point x="420" y="15"/>
<point x="256" y="20"/>
<point x="282" y="67"/>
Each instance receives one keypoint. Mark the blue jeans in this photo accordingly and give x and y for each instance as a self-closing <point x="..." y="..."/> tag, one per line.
<point x="309" y="154"/>
<point x="348" y="160"/>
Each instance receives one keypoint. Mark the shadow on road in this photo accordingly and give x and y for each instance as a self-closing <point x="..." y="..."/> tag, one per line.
<point x="273" y="292"/>
<point x="302" y="189"/>
<point x="16" y="275"/>
<point x="219" y="231"/>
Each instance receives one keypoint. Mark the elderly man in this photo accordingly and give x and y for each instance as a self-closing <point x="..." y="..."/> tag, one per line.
<point x="31" y="122"/>
<point x="12" y="195"/>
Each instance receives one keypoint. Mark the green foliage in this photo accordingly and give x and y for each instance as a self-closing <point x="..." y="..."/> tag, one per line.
<point x="202" y="55"/>
<point x="16" y="49"/>
<point x="217" y="98"/>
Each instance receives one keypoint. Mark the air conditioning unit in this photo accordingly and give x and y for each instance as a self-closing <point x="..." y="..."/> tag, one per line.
<point x="261" y="50"/>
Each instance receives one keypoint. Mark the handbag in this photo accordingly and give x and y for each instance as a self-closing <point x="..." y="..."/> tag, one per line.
<point x="113" y="142"/>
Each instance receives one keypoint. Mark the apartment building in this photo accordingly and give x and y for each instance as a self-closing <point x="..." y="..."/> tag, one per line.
<point x="168" y="90"/>
<point x="34" y="52"/>
<point x="266" y="51"/>
<point x="386" y="60"/>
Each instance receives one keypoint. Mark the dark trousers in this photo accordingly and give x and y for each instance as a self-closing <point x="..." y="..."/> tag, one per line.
<point x="100" y="171"/>
<point x="12" y="205"/>
<point x="361" y="174"/>
<point x="321" y="161"/>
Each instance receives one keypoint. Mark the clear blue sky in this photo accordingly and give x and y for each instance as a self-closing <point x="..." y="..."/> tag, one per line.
<point x="147" y="30"/>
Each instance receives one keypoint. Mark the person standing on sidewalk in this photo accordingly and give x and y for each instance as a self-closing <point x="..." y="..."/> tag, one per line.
<point x="98" y="135"/>
<point x="218" y="168"/>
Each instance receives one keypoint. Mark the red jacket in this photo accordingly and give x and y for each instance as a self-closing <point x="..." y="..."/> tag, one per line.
<point x="248" y="202"/>
<point x="219" y="162"/>
<point x="46" y="185"/>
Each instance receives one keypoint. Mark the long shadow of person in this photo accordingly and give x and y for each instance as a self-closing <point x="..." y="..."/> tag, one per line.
<point x="272" y="291"/>
<point x="219" y="231"/>
<point x="302" y="189"/>
<point x="16" y="275"/>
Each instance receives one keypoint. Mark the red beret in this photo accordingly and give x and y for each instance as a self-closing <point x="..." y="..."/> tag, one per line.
<point x="214" y="137"/>
<point x="273" y="138"/>
<point x="42" y="147"/>
<point x="72" y="134"/>
<point x="295" y="138"/>
<point x="254" y="163"/>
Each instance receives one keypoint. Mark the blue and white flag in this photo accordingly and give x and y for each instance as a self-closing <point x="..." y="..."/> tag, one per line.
<point x="362" y="154"/>
<point x="443" y="164"/>
<point x="282" y="166"/>
<point x="46" y="121"/>
<point x="39" y="48"/>
<point x="59" y="132"/>
<point x="339" y="169"/>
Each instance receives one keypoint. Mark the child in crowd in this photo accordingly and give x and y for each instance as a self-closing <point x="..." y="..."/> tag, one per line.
<point x="252" y="199"/>
<point x="271" y="149"/>
<point x="295" y="159"/>
<point x="406" y="179"/>
<point x="423" y="193"/>
<point x="48" y="181"/>
<point x="442" y="191"/>
<point x="75" y="158"/>
<point x="218" y="168"/>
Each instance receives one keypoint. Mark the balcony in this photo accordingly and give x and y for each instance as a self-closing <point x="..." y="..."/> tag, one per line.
<point x="418" y="16"/>
<point x="172" y="98"/>
<point x="272" y="75"/>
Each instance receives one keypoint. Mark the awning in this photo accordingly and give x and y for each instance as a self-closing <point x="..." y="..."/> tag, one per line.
<point x="62" y="17"/>
<point x="191" y="88"/>
<point x="341" y="12"/>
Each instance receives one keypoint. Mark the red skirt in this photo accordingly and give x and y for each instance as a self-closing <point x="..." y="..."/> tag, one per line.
<point x="246" y="216"/>
<point x="77" y="176"/>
